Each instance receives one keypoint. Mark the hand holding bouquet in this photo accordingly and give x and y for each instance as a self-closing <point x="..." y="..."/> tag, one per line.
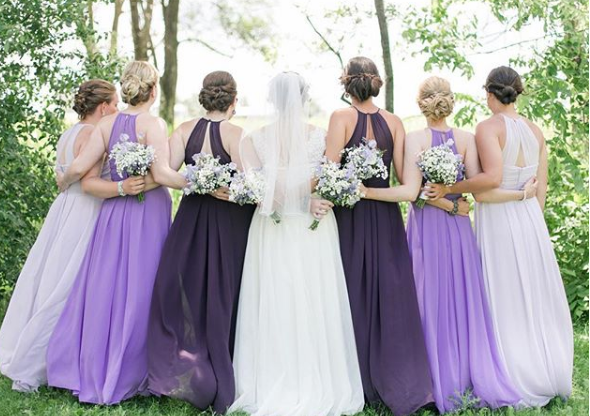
<point x="132" y="158"/>
<point x="207" y="174"/>
<point x="439" y="164"/>
<point x="339" y="185"/>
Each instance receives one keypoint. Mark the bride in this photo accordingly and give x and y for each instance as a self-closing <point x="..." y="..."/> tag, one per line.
<point x="295" y="353"/>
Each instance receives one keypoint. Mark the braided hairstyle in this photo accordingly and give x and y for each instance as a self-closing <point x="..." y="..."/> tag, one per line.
<point x="505" y="84"/>
<point x="361" y="78"/>
<point x="91" y="94"/>
<point x="219" y="91"/>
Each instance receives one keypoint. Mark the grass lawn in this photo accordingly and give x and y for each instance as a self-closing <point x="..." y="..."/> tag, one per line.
<point x="52" y="402"/>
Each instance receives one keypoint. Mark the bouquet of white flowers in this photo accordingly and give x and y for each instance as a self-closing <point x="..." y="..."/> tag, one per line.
<point x="339" y="185"/>
<point x="132" y="158"/>
<point x="439" y="164"/>
<point x="247" y="187"/>
<point x="366" y="160"/>
<point x="207" y="174"/>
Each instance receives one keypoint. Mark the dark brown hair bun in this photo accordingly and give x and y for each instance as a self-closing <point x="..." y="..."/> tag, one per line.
<point x="361" y="78"/>
<point x="91" y="94"/>
<point x="219" y="91"/>
<point x="505" y="84"/>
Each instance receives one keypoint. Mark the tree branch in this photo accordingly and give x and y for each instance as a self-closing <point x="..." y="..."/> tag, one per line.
<point x="207" y="45"/>
<point x="337" y="53"/>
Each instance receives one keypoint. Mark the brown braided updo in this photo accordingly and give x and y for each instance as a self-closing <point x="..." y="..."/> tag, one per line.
<point x="219" y="91"/>
<point x="91" y="94"/>
<point x="361" y="78"/>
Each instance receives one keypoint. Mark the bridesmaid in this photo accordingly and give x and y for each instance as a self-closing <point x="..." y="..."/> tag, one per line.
<point x="464" y="356"/>
<point x="98" y="349"/>
<point x="391" y="350"/>
<point x="527" y="298"/>
<point x="195" y="298"/>
<point x="48" y="274"/>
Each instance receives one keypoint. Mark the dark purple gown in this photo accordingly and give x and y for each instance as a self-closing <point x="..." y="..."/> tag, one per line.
<point x="194" y="305"/>
<point x="390" y="344"/>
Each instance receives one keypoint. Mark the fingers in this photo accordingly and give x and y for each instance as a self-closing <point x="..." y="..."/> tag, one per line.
<point x="221" y="193"/>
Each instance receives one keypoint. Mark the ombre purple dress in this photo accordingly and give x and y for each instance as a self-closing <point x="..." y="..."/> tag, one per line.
<point x="390" y="344"/>
<point x="194" y="306"/>
<point x="98" y="348"/>
<point x="460" y="339"/>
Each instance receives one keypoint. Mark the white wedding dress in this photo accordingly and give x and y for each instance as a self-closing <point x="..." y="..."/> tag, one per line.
<point x="527" y="298"/>
<point x="295" y="352"/>
<point x="47" y="278"/>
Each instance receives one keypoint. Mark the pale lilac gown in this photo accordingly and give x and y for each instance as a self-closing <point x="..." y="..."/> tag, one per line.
<point x="527" y="299"/>
<point x="462" y="349"/>
<point x="98" y="349"/>
<point x="47" y="277"/>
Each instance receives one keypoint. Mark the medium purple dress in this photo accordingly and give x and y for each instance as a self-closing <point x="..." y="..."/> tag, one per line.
<point x="453" y="305"/>
<point x="98" y="348"/>
<point x="194" y="305"/>
<point x="390" y="344"/>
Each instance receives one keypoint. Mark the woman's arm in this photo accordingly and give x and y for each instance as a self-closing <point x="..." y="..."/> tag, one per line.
<point x="94" y="185"/>
<point x="161" y="168"/>
<point x="399" y="138"/>
<point x="336" y="136"/>
<point x="542" y="175"/>
<point x="409" y="190"/>
<point x="490" y="155"/>
<point x="91" y="153"/>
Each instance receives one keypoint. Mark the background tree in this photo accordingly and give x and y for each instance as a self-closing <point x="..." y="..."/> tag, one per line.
<point x="169" y="78"/>
<point x="386" y="53"/>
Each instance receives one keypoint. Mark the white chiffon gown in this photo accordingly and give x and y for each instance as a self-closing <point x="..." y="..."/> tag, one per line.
<point x="46" y="278"/>
<point x="527" y="298"/>
<point x="295" y="352"/>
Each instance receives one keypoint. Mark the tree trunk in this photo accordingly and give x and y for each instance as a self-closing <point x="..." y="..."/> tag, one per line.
<point x="115" y="28"/>
<point x="141" y="33"/>
<point x="170" y="76"/>
<point x="380" y="9"/>
<point x="85" y="30"/>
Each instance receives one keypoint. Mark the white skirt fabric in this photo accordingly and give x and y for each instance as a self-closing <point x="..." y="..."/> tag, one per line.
<point x="295" y="353"/>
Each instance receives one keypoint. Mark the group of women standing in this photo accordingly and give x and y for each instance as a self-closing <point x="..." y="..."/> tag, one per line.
<point x="245" y="308"/>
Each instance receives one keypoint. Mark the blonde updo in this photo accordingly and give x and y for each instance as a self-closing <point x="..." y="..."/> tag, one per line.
<point x="137" y="82"/>
<point x="435" y="98"/>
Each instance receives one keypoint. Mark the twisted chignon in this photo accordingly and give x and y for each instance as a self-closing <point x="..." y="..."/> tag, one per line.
<point x="435" y="98"/>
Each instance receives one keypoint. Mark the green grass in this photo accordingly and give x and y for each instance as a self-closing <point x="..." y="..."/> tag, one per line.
<point x="53" y="402"/>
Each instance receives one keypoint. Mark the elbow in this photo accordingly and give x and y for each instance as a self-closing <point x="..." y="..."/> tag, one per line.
<point x="84" y="184"/>
<point x="477" y="198"/>
<point x="158" y="176"/>
<point x="495" y="181"/>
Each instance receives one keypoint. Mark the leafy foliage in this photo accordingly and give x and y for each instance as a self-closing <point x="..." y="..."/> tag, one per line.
<point x="37" y="80"/>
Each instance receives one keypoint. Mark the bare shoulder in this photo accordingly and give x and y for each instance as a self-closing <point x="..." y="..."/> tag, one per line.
<point x="343" y="115"/>
<point x="391" y="118"/>
<point x="494" y="123"/>
<point x="185" y="128"/>
<point x="230" y="130"/>
<point x="416" y="135"/>
<point x="463" y="136"/>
